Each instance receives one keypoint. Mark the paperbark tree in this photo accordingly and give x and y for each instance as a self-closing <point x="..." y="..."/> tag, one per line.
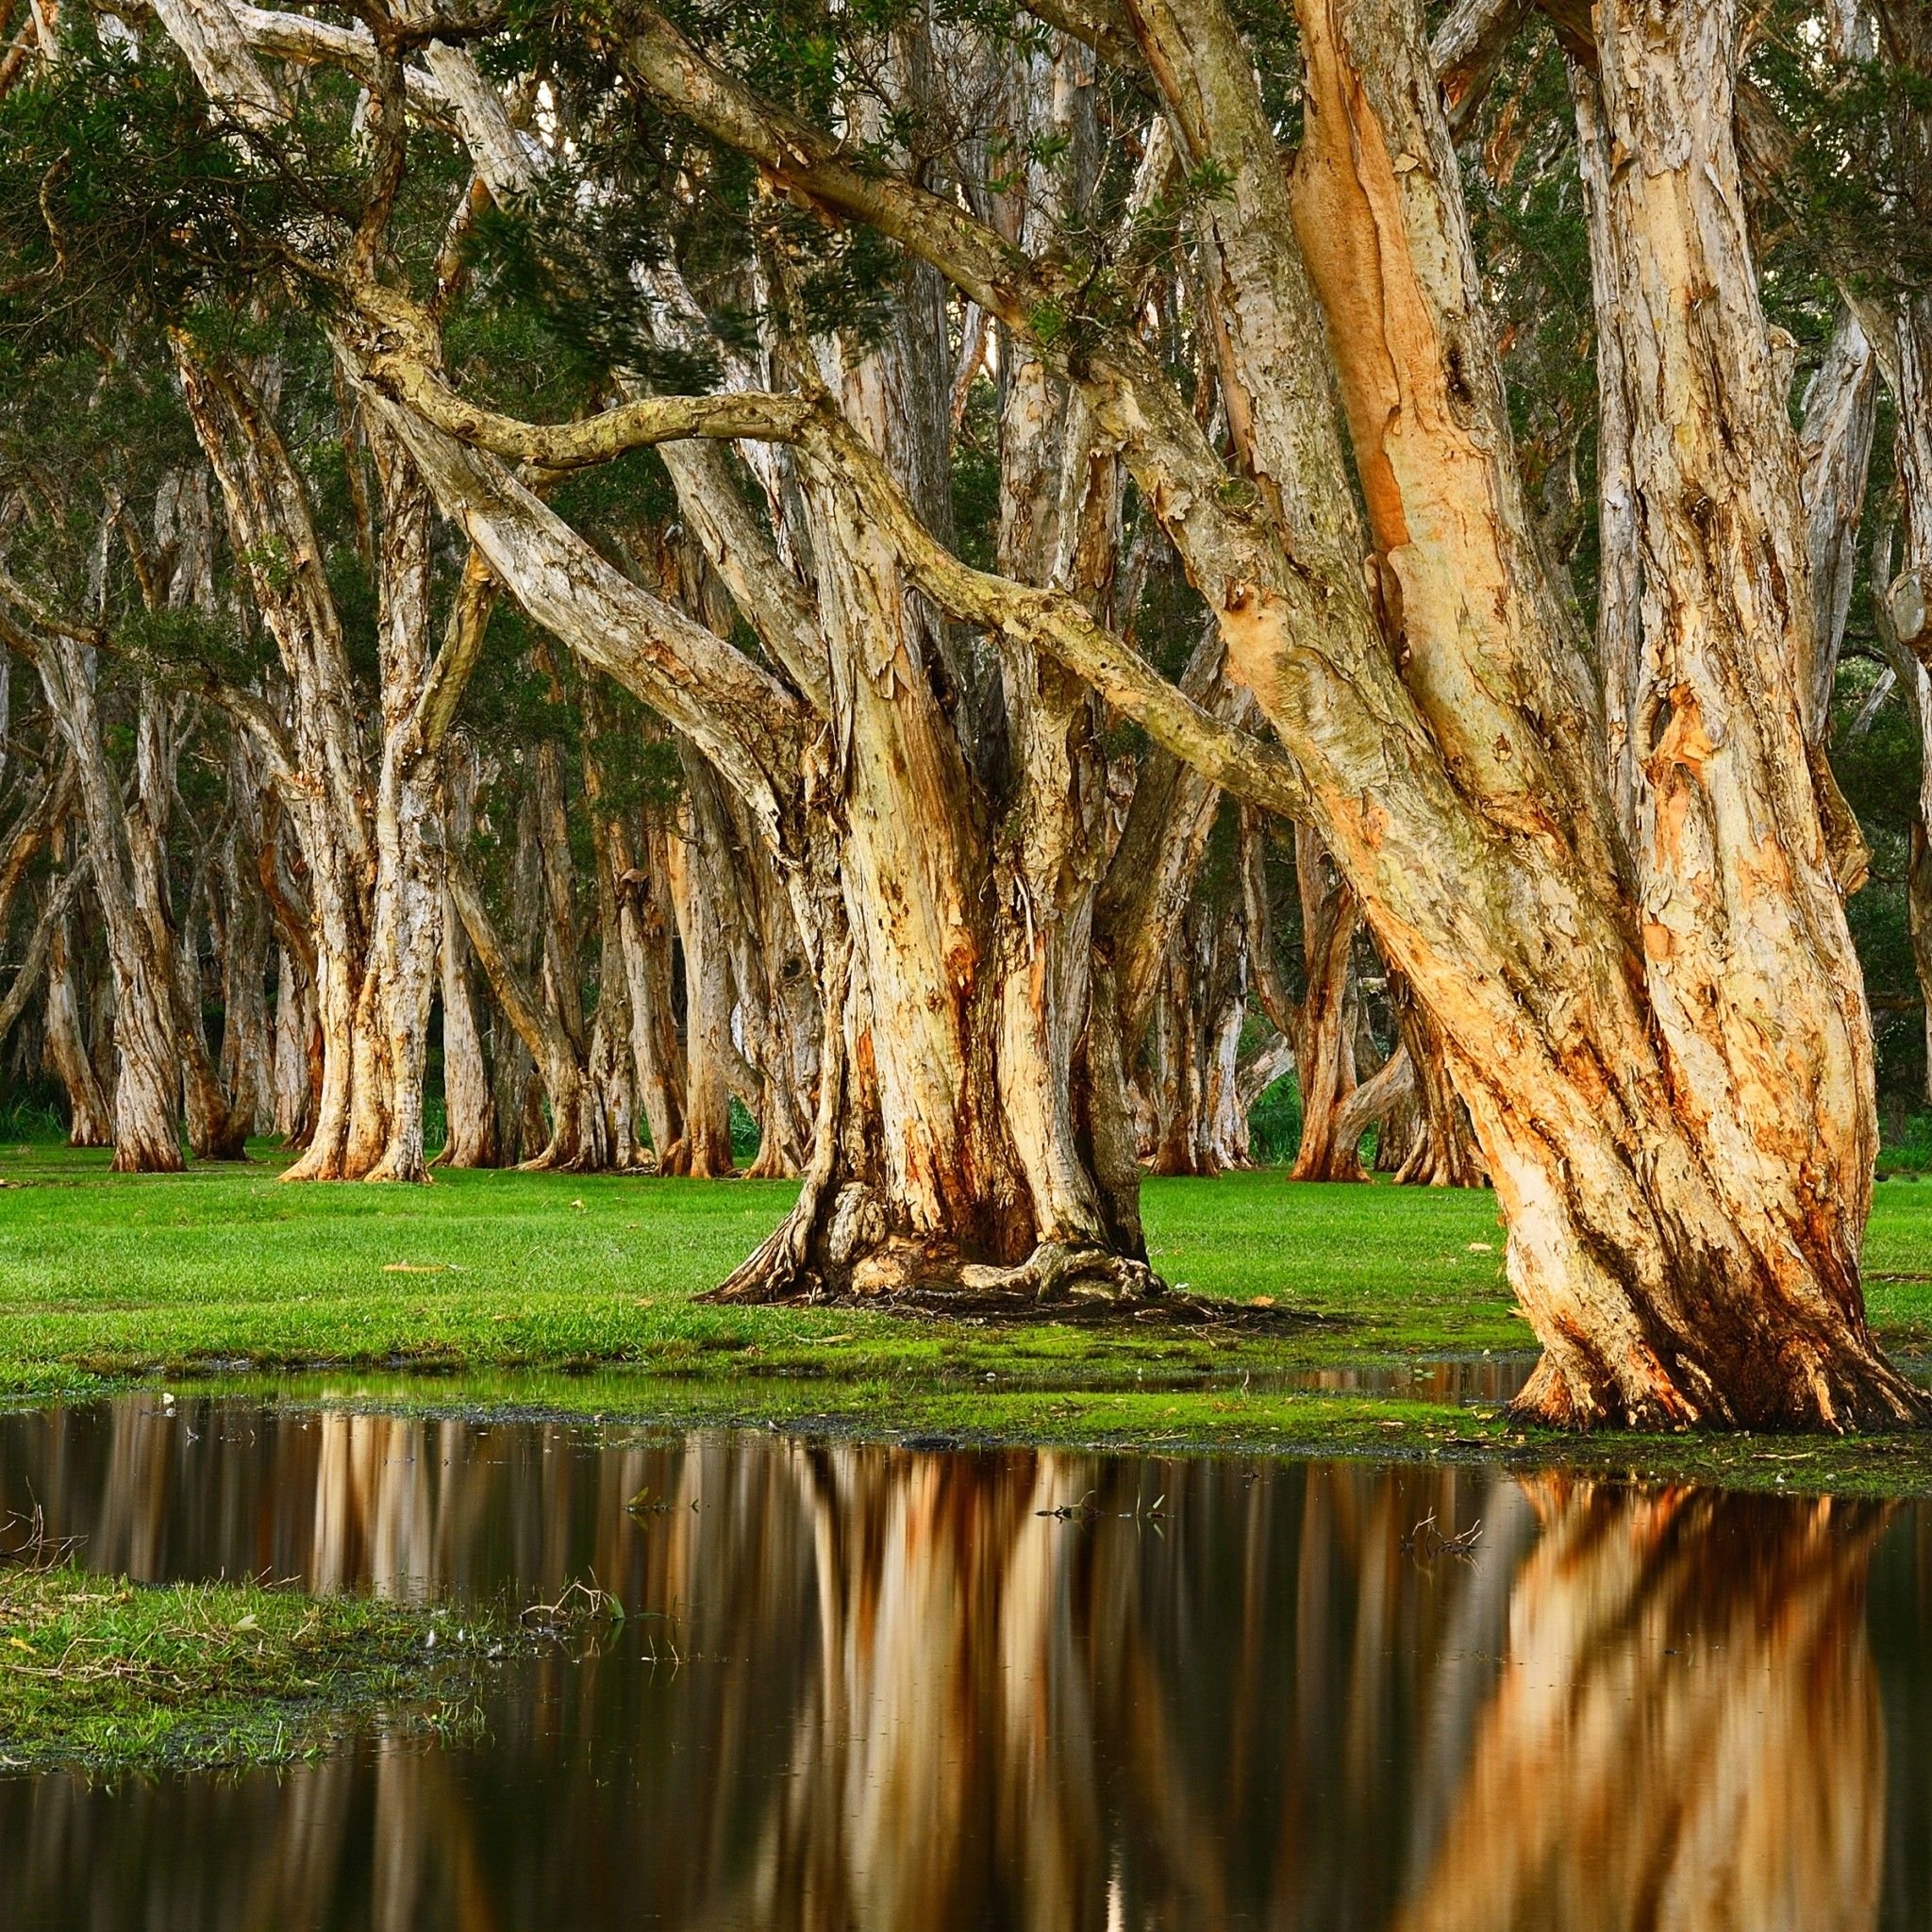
<point x="147" y="1082"/>
<point x="368" y="838"/>
<point x="1602" y="917"/>
<point x="1614" y="894"/>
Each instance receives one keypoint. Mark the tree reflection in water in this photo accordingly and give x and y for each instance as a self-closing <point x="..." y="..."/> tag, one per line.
<point x="890" y="1694"/>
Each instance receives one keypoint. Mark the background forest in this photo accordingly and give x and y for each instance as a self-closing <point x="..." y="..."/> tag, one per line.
<point x="307" y="829"/>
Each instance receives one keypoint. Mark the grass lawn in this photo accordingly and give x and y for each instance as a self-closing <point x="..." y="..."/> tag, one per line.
<point x="580" y="1293"/>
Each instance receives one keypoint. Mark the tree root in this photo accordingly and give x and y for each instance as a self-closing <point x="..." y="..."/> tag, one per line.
<point x="1865" y="1393"/>
<point x="1059" y="1281"/>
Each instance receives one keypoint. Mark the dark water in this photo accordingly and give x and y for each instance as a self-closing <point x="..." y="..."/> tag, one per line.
<point x="905" y="1701"/>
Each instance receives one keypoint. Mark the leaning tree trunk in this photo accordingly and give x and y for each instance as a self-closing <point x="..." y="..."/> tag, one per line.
<point x="147" y="1083"/>
<point x="578" y="1140"/>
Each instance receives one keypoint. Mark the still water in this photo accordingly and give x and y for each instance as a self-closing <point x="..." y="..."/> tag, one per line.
<point x="903" y="1699"/>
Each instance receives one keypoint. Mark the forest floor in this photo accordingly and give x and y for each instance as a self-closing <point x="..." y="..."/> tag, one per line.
<point x="1367" y="1320"/>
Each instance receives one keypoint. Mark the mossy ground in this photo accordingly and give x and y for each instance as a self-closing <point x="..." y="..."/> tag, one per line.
<point x="111" y="1677"/>
<point x="581" y="1294"/>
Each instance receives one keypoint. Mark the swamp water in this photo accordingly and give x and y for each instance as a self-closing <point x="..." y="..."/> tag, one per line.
<point x="876" y="1688"/>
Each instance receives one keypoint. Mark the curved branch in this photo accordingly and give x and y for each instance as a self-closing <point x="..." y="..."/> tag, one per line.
<point x="400" y="360"/>
<point x="752" y="727"/>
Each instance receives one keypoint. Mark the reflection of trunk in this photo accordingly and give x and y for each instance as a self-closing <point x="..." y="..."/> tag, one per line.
<point x="1688" y="1689"/>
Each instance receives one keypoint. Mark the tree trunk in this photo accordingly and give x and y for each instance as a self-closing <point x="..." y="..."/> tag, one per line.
<point x="577" y="1141"/>
<point x="147" y="1081"/>
<point x="242" y="917"/>
<point x="966" y="1140"/>
<point x="297" y="1050"/>
<point x="1441" y="1150"/>
<point x="90" y="1111"/>
<point x="399" y="975"/>
<point x="704" y="1151"/>
<point x="648" y="917"/>
<point x="1325" y="1017"/>
<point x="469" y="1105"/>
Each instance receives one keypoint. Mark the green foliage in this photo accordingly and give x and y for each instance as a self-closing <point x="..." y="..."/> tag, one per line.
<point x="1275" y="1122"/>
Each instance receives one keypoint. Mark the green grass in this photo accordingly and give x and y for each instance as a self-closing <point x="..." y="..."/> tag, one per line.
<point x="111" y="1676"/>
<point x="223" y="1267"/>
<point x="581" y="1294"/>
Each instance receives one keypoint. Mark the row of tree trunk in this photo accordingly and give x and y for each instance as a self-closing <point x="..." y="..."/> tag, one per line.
<point x="600" y="1022"/>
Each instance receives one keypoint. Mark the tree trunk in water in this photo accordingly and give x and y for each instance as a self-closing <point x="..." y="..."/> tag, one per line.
<point x="1705" y="1838"/>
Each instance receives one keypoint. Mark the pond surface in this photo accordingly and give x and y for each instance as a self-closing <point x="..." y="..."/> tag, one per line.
<point x="877" y="1688"/>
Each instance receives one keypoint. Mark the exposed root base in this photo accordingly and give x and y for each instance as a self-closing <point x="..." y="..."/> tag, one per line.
<point x="1861" y="1394"/>
<point x="928" y="1274"/>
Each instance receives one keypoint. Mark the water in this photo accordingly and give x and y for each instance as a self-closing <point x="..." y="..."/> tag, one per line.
<point x="903" y="1699"/>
